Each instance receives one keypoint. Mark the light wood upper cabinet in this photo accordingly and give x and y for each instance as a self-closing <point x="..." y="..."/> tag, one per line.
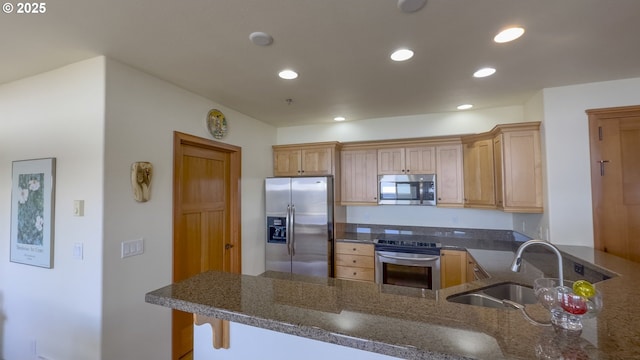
<point x="479" y="173"/>
<point x="305" y="160"/>
<point x="518" y="167"/>
<point x="359" y="177"/>
<point x="503" y="169"/>
<point x="449" y="180"/>
<point x="409" y="160"/>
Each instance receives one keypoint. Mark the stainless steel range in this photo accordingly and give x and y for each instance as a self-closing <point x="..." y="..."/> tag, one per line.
<point x="408" y="263"/>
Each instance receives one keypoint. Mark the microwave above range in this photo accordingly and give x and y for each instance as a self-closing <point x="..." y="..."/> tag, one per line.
<point x="407" y="189"/>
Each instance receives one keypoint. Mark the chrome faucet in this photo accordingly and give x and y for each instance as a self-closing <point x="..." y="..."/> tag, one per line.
<point x="515" y="265"/>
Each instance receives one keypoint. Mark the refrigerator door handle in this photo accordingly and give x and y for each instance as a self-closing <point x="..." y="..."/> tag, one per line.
<point x="288" y="229"/>
<point x="293" y="230"/>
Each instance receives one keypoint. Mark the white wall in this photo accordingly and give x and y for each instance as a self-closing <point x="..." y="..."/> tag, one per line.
<point x="454" y="123"/>
<point x="56" y="114"/>
<point x="567" y="153"/>
<point x="141" y="114"/>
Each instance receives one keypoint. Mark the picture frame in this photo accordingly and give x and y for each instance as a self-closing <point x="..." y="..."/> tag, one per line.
<point x="32" y="212"/>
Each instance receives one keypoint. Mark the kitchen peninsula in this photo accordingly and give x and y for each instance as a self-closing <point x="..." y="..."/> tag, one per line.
<point x="410" y="323"/>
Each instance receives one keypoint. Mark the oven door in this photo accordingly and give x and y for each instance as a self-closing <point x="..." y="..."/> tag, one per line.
<point x="404" y="269"/>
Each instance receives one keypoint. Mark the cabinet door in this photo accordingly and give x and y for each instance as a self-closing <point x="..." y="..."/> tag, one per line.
<point x="391" y="161"/>
<point x="449" y="174"/>
<point x="317" y="161"/>
<point x="359" y="177"/>
<point x="453" y="268"/>
<point x="479" y="174"/>
<point x="420" y="160"/>
<point x="522" y="171"/>
<point x="286" y="162"/>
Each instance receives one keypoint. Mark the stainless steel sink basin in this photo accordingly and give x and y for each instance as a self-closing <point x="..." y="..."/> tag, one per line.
<point x="493" y="295"/>
<point x="514" y="292"/>
<point x="477" y="299"/>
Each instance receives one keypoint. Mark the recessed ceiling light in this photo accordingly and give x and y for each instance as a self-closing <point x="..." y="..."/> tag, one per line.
<point x="410" y="6"/>
<point x="339" y="118"/>
<point x="260" y="38"/>
<point x="509" y="34"/>
<point x="484" y="72"/>
<point x="465" y="106"/>
<point x="288" y="74"/>
<point x="402" y="55"/>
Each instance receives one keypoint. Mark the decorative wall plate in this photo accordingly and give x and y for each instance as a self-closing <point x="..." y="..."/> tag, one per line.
<point x="217" y="123"/>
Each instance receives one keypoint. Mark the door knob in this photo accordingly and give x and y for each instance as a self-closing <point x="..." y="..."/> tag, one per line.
<point x="228" y="246"/>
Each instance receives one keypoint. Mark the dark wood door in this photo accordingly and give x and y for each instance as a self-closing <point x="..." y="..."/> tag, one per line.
<point x="206" y="220"/>
<point x="615" y="180"/>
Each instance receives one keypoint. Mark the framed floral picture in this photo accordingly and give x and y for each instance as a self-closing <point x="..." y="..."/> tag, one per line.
<point x="32" y="205"/>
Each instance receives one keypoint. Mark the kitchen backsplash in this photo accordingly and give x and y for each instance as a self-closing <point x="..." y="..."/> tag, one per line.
<point x="475" y="234"/>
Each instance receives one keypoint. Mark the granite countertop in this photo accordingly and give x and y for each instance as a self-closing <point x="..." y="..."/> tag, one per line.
<point x="421" y="324"/>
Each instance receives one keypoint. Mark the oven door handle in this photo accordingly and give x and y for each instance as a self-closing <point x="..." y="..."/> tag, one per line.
<point x="431" y="258"/>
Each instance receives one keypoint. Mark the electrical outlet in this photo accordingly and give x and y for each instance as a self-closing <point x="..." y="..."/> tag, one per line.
<point x="578" y="268"/>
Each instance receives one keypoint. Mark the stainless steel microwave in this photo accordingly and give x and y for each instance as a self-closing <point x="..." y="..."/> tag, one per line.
<point x="407" y="189"/>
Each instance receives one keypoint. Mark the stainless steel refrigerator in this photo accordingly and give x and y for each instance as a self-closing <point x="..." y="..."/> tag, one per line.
<point x="299" y="214"/>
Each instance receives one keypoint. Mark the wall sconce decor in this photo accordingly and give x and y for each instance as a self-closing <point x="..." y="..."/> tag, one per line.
<point x="141" y="172"/>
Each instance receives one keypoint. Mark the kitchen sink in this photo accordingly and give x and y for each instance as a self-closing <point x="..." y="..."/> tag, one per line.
<point x="492" y="296"/>
<point x="477" y="299"/>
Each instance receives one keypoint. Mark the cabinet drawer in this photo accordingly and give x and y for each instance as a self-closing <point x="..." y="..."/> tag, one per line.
<point x="354" y="249"/>
<point x="359" y="261"/>
<point x="354" y="273"/>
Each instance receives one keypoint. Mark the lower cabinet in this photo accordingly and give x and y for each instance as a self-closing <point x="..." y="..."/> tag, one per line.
<point x="453" y="268"/>
<point x="458" y="267"/>
<point x="354" y="261"/>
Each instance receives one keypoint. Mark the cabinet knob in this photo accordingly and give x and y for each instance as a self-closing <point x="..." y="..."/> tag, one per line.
<point x="354" y="249"/>
<point x="355" y="273"/>
<point x="439" y="199"/>
<point x="354" y="261"/>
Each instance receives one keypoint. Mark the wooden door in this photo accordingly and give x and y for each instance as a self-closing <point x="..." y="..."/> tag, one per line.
<point x="287" y="162"/>
<point x="359" y="177"/>
<point x="615" y="180"/>
<point x="479" y="174"/>
<point x="206" y="219"/>
<point x="453" y="268"/>
<point x="391" y="161"/>
<point x="317" y="161"/>
<point x="521" y="175"/>
<point x="420" y="160"/>
<point x="449" y="174"/>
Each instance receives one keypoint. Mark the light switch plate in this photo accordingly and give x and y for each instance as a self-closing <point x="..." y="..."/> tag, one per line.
<point x="78" y="207"/>
<point x="131" y="248"/>
<point x="78" y="251"/>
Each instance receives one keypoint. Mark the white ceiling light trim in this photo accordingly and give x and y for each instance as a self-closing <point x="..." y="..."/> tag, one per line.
<point x="484" y="72"/>
<point x="288" y="74"/>
<point x="261" y="38"/>
<point x="402" y="55"/>
<point x="409" y="6"/>
<point x="464" y="107"/>
<point x="509" y="34"/>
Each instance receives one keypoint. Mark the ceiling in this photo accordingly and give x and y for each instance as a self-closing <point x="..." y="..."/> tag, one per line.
<point x="340" y="48"/>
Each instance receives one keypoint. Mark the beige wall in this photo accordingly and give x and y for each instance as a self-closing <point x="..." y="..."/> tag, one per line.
<point x="141" y="114"/>
<point x="56" y="311"/>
